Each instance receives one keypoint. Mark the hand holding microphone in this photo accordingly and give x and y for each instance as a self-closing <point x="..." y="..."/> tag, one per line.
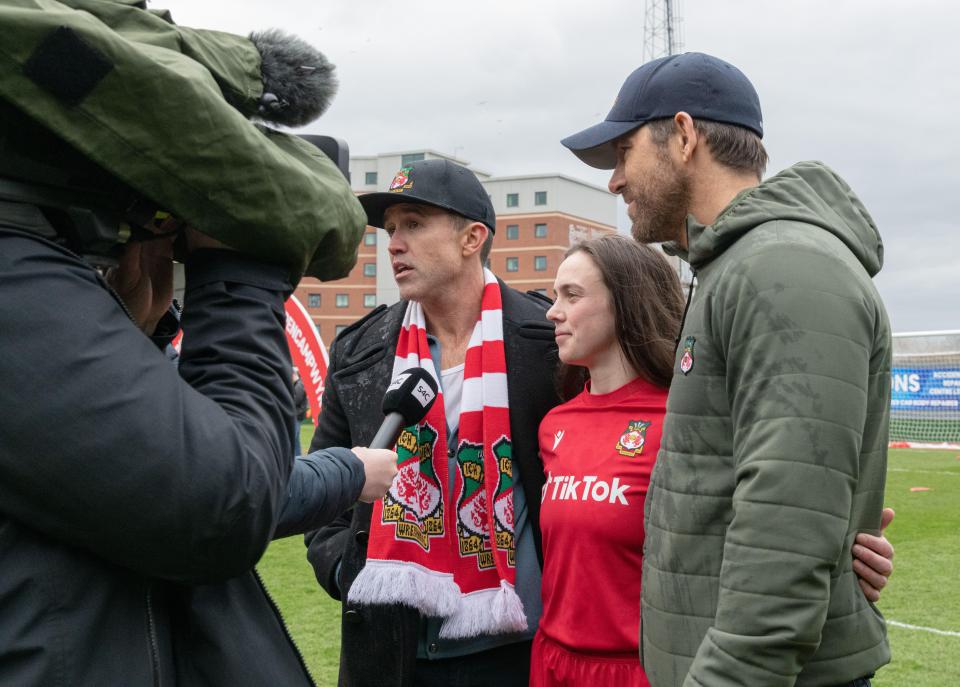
<point x="379" y="469"/>
<point x="408" y="400"/>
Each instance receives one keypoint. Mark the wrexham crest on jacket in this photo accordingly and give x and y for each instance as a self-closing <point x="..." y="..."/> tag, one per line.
<point x="413" y="503"/>
<point x="686" y="360"/>
<point x="503" y="502"/>
<point x="633" y="439"/>
<point x="473" y="525"/>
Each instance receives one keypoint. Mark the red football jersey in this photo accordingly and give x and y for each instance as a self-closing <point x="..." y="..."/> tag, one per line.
<point x="598" y="451"/>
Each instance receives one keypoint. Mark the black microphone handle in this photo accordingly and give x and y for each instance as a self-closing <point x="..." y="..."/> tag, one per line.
<point x="389" y="431"/>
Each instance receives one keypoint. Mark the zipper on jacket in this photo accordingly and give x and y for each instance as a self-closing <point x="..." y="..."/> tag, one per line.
<point x="686" y="309"/>
<point x="283" y="624"/>
<point x="152" y="634"/>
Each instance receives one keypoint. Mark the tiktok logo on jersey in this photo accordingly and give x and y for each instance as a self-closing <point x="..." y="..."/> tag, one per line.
<point x="588" y="487"/>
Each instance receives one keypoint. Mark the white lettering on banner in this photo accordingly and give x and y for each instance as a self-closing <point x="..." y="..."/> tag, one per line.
<point x="906" y="382"/>
<point x="303" y="346"/>
<point x="565" y="488"/>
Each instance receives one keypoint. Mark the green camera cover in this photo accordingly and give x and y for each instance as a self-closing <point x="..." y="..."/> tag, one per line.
<point x="166" y="109"/>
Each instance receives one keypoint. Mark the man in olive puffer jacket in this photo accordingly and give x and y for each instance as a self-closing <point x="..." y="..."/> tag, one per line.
<point x="774" y="451"/>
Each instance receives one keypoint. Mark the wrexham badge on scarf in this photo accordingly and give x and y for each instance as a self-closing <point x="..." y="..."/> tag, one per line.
<point x="451" y="554"/>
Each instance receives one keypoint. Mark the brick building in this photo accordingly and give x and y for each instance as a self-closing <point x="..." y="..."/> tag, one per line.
<point x="538" y="217"/>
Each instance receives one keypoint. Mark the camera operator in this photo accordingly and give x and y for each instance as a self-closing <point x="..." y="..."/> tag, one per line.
<point x="136" y="495"/>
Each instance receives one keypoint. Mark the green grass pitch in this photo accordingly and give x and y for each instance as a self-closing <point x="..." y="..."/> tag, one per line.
<point x="924" y="591"/>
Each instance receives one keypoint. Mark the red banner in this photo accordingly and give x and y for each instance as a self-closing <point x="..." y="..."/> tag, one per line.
<point x="308" y="353"/>
<point x="306" y="349"/>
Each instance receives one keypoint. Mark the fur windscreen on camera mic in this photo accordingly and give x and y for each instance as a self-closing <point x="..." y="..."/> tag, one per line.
<point x="298" y="81"/>
<point x="411" y="394"/>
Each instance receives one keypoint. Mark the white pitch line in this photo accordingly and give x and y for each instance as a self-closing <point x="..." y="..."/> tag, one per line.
<point x="932" y="630"/>
<point x="925" y="472"/>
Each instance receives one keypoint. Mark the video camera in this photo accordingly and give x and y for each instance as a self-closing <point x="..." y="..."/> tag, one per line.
<point x="49" y="189"/>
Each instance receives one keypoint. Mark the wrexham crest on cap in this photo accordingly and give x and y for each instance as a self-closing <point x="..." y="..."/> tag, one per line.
<point x="633" y="439"/>
<point x="401" y="181"/>
<point x="686" y="360"/>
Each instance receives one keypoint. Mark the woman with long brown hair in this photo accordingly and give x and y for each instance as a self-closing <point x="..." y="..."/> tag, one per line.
<point x="617" y="311"/>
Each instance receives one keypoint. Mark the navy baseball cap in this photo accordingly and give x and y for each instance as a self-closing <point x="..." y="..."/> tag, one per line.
<point x="440" y="183"/>
<point x="703" y="86"/>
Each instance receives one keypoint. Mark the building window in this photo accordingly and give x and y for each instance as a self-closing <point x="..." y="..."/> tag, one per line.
<point x="540" y="263"/>
<point x="540" y="198"/>
<point x="370" y="239"/>
<point x="343" y="299"/>
<point x="340" y="328"/>
<point x="369" y="269"/>
<point x="369" y="300"/>
<point x="513" y="200"/>
<point x="410" y="158"/>
<point x="313" y="300"/>
<point x="513" y="232"/>
<point x="370" y="178"/>
<point x="540" y="231"/>
<point x="513" y="264"/>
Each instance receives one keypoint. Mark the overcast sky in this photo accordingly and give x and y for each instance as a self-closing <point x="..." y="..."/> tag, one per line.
<point x="872" y="88"/>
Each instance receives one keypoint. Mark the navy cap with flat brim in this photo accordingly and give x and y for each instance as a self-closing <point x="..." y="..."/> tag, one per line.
<point x="595" y="145"/>
<point x="703" y="86"/>
<point x="439" y="183"/>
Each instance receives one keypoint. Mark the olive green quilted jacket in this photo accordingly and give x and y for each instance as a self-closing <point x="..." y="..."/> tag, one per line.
<point x="774" y="449"/>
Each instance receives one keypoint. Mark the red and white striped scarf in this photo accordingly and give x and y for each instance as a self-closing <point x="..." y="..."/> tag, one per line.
<point x="451" y="554"/>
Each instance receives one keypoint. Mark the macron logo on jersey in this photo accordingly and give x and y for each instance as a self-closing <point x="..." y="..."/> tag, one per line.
<point x="556" y="438"/>
<point x="569" y="488"/>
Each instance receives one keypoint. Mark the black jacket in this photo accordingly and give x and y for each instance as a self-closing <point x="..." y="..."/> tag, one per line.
<point x="379" y="645"/>
<point x="134" y="501"/>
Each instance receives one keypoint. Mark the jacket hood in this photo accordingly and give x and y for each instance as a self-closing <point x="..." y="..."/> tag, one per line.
<point x="807" y="192"/>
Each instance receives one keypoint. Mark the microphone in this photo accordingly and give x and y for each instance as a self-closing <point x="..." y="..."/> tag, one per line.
<point x="298" y="80"/>
<point x="408" y="400"/>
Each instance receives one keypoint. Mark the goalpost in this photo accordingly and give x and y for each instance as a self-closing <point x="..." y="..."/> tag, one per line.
<point x="925" y="390"/>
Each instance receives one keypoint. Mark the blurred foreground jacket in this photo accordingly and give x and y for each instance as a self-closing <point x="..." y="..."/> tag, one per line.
<point x="135" y="496"/>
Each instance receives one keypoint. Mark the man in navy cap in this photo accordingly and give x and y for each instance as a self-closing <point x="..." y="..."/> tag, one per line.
<point x="774" y="450"/>
<point x="392" y="564"/>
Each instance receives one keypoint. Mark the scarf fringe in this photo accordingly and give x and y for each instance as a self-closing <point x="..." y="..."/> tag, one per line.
<point x="486" y="612"/>
<point x="432" y="593"/>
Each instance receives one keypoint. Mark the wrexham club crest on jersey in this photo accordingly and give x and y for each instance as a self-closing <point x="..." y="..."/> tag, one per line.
<point x="633" y="439"/>
<point x="473" y="526"/>
<point x="413" y="503"/>
<point x="686" y="360"/>
<point x="401" y="181"/>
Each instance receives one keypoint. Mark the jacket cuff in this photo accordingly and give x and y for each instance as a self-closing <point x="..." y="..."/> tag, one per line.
<point x="211" y="265"/>
<point x="167" y="328"/>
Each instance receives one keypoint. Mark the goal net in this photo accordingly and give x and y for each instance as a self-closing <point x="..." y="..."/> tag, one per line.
<point x="925" y="391"/>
